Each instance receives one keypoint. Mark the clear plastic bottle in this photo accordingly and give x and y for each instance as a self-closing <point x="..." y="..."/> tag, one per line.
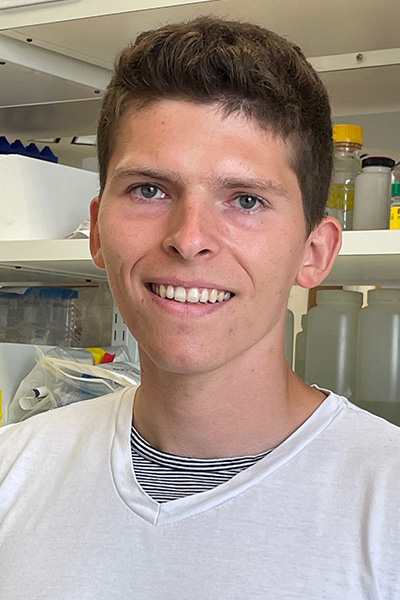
<point x="332" y="341"/>
<point x="395" y="207"/>
<point x="372" y="193"/>
<point x="300" y="351"/>
<point x="289" y="333"/>
<point x="378" y="355"/>
<point x="348" y="140"/>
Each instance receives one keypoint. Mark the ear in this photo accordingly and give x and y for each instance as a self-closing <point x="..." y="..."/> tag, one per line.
<point x="95" y="243"/>
<point x="322" y="247"/>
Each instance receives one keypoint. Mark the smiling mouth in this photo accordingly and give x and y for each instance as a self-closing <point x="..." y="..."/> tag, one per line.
<point x="192" y="295"/>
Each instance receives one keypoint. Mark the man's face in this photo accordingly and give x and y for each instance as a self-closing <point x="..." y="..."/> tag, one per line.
<point x="201" y="201"/>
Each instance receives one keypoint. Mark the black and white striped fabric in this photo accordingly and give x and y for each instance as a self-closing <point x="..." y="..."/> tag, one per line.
<point x="165" y="477"/>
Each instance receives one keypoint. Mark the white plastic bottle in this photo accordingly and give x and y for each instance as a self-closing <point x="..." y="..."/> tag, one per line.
<point x="372" y="193"/>
<point x="332" y="341"/>
<point x="300" y="350"/>
<point x="378" y="355"/>
<point x="289" y="334"/>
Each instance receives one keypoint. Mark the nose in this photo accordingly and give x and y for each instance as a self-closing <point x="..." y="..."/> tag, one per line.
<point x="192" y="228"/>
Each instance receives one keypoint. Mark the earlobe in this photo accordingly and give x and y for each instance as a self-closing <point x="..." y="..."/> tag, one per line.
<point x="322" y="247"/>
<point x="95" y="243"/>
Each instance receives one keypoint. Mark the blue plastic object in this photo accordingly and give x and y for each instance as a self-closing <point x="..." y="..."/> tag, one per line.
<point x="5" y="146"/>
<point x="18" y="147"/>
<point x="53" y="292"/>
<point x="32" y="151"/>
<point x="47" y="154"/>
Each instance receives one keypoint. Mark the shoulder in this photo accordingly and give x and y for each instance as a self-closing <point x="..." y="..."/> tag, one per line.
<point x="59" y="428"/>
<point x="367" y="427"/>
<point x="365" y="444"/>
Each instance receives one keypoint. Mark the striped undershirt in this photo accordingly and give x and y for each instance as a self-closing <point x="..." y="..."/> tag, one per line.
<point x="165" y="477"/>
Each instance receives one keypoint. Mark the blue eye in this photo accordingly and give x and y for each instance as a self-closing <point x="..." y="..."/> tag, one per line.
<point x="148" y="190"/>
<point x="247" y="202"/>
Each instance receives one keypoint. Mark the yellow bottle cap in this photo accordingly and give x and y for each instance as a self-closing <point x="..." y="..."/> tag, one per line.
<point x="98" y="354"/>
<point x="348" y="133"/>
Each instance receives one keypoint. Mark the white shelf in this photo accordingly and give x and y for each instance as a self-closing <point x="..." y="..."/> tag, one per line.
<point x="366" y="258"/>
<point x="47" y="260"/>
<point x="66" y="10"/>
<point x="94" y="31"/>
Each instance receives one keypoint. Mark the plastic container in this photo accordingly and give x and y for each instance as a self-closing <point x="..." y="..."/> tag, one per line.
<point x="378" y="355"/>
<point x="347" y="140"/>
<point x="289" y="336"/>
<point x="16" y="360"/>
<point x="41" y="200"/>
<point x="8" y="313"/>
<point x="300" y="351"/>
<point x="372" y="193"/>
<point x="332" y="341"/>
<point x="45" y="316"/>
<point x="395" y="207"/>
<point x="59" y="309"/>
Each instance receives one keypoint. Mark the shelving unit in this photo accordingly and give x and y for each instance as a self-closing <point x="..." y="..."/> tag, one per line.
<point x="359" y="63"/>
<point x="47" y="260"/>
<point x="366" y="258"/>
<point x="341" y="43"/>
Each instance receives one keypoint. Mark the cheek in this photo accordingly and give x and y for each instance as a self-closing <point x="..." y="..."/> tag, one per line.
<point x="121" y="239"/>
<point x="277" y="264"/>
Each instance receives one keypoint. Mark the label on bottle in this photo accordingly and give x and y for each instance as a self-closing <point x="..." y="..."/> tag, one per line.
<point x="395" y="217"/>
<point x="341" y="197"/>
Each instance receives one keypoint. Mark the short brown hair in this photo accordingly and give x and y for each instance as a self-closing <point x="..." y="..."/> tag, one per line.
<point x="245" y="69"/>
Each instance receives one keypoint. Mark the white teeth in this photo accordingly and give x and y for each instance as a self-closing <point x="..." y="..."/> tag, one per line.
<point x="204" y="296"/>
<point x="180" y="294"/>
<point x="193" y="295"/>
<point x="212" y="296"/>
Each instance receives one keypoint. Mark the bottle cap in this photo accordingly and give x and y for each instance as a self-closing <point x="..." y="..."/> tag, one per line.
<point x="396" y="189"/>
<point x="348" y="133"/>
<point x="377" y="161"/>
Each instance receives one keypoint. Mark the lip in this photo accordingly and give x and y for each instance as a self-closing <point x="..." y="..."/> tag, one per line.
<point x="188" y="283"/>
<point x="188" y="309"/>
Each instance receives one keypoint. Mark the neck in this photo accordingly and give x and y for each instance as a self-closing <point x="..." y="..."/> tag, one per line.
<point x="234" y="410"/>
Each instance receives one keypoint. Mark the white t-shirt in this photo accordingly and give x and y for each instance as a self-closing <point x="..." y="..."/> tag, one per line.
<point x="317" y="518"/>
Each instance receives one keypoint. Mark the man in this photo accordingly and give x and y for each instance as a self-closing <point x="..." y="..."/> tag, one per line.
<point x="237" y="480"/>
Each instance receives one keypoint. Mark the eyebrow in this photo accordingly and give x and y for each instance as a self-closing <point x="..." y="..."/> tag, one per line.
<point x="224" y="182"/>
<point x="255" y="182"/>
<point x="125" y="173"/>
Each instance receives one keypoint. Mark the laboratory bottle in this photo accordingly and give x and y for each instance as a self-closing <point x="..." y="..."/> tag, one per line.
<point x="378" y="355"/>
<point x="347" y="143"/>
<point x="395" y="207"/>
<point x="300" y="350"/>
<point x="332" y="341"/>
<point x="289" y="333"/>
<point x="372" y="193"/>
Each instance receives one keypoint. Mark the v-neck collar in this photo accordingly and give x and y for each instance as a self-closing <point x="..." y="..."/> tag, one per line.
<point x="154" y="513"/>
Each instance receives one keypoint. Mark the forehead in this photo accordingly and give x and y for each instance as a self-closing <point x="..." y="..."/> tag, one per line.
<point x="199" y="138"/>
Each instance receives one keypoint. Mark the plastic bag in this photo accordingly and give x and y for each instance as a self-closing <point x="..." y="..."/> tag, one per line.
<point x="56" y="380"/>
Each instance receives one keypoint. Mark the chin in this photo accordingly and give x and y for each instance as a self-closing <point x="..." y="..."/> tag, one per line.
<point x="188" y="362"/>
